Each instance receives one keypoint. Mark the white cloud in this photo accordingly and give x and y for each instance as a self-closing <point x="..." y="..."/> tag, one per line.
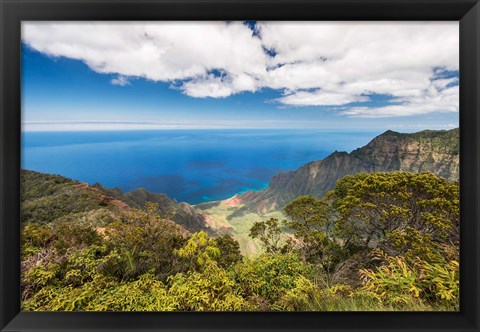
<point x="319" y="98"/>
<point x="163" y="51"/>
<point x="344" y="62"/>
<point x="315" y="63"/>
<point x="446" y="100"/>
<point x="219" y="87"/>
<point x="120" y="80"/>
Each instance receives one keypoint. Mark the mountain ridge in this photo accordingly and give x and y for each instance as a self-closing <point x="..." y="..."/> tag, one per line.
<point x="50" y="198"/>
<point x="181" y="213"/>
<point x="435" y="151"/>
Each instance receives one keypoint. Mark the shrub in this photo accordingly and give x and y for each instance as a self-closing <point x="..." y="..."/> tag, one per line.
<point x="397" y="281"/>
<point x="267" y="278"/>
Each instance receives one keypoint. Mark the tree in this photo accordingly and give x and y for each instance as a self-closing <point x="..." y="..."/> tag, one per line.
<point x="309" y="221"/>
<point x="306" y="214"/>
<point x="269" y="233"/>
<point x="394" y="211"/>
<point x="229" y="250"/>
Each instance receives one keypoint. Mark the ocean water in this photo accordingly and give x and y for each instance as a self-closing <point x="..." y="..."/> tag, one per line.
<point x="188" y="165"/>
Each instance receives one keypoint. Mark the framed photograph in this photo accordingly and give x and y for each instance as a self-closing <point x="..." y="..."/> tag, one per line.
<point x="239" y="165"/>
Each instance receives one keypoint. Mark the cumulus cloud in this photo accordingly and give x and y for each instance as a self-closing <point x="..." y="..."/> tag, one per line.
<point x="346" y="62"/>
<point x="309" y="63"/>
<point x="164" y="51"/>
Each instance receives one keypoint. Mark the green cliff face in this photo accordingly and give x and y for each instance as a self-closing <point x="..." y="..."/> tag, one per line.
<point x="433" y="151"/>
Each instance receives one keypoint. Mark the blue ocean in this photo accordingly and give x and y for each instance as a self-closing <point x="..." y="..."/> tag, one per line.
<point x="188" y="165"/>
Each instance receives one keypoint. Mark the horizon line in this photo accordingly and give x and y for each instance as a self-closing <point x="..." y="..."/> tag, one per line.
<point x="66" y="126"/>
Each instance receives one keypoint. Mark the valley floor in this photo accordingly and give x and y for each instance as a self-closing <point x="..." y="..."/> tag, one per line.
<point x="227" y="217"/>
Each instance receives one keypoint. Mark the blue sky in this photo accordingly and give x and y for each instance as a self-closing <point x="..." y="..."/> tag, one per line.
<point x="86" y="76"/>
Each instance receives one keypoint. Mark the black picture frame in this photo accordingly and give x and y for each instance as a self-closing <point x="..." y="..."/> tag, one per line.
<point x="13" y="12"/>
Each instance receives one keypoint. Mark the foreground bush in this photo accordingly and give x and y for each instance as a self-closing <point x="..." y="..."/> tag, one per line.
<point x="398" y="281"/>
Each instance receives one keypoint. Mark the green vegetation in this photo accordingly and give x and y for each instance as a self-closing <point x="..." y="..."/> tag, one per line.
<point x="400" y="231"/>
<point x="380" y="241"/>
<point x="52" y="198"/>
<point x="47" y="198"/>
